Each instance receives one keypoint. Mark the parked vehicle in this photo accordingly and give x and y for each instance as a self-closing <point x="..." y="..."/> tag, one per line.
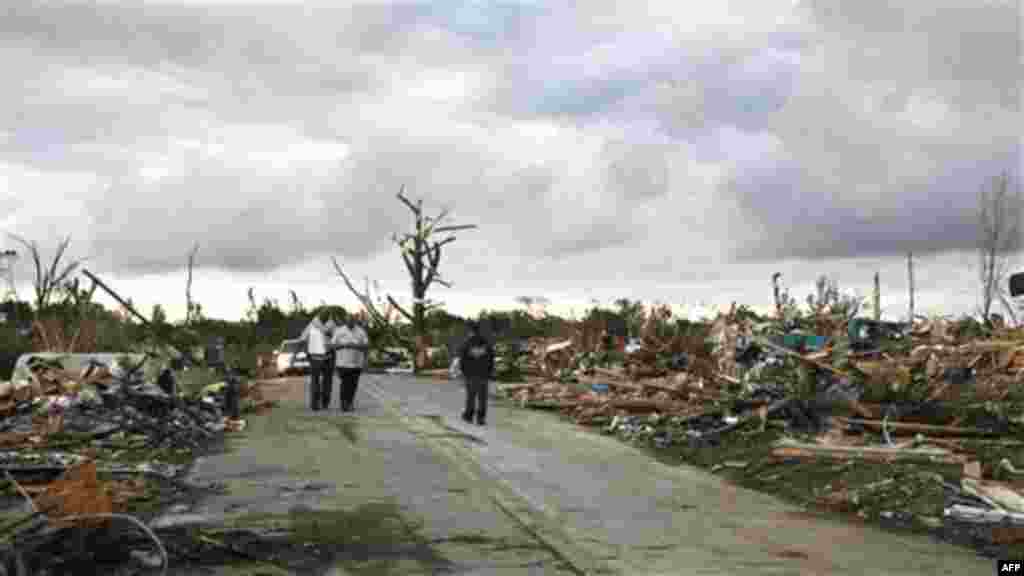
<point x="291" y="358"/>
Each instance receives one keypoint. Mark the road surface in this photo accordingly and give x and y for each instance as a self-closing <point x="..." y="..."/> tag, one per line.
<point x="527" y="494"/>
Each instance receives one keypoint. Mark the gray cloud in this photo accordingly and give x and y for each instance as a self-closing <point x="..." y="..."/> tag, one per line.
<point x="636" y="170"/>
<point x="898" y="117"/>
<point x="274" y="134"/>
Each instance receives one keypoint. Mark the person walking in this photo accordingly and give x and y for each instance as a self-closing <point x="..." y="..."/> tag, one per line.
<point x="327" y="381"/>
<point x="351" y="345"/>
<point x="315" y="337"/>
<point x="476" y="361"/>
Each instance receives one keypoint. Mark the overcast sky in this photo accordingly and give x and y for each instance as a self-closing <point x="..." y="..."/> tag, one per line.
<point x="674" y="151"/>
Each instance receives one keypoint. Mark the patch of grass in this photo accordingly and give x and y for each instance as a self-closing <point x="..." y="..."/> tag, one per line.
<point x="829" y="485"/>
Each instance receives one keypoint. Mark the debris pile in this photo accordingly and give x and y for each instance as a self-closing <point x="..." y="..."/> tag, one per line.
<point x="87" y="440"/>
<point x="937" y="406"/>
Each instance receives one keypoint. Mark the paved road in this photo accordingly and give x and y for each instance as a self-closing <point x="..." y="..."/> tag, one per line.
<point x="558" y="498"/>
<point x="396" y="505"/>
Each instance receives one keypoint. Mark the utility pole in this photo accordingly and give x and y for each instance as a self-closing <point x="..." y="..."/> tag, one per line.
<point x="910" y="281"/>
<point x="877" y="299"/>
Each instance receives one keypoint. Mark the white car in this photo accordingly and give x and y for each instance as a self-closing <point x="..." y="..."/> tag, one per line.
<point x="291" y="358"/>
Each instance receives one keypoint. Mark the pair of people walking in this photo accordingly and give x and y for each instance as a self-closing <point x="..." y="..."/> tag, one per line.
<point x="331" y="348"/>
<point x="342" y="349"/>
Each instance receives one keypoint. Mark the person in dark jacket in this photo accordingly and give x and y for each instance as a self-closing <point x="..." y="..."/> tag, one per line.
<point x="476" y="361"/>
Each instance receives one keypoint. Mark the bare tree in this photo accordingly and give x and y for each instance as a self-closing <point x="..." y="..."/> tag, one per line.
<point x="421" y="253"/>
<point x="191" y="308"/>
<point x="827" y="300"/>
<point x="998" y="238"/>
<point x="378" y="312"/>
<point x="49" y="279"/>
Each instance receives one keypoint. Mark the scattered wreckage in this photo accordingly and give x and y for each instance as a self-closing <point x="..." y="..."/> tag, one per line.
<point x="93" y="446"/>
<point x="937" y="407"/>
<point x="86" y="438"/>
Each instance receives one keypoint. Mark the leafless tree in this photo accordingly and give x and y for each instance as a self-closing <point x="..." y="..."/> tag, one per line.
<point x="828" y="300"/>
<point x="379" y="313"/>
<point x="191" y="308"/>
<point x="49" y="279"/>
<point x="999" y="215"/>
<point x="421" y="253"/>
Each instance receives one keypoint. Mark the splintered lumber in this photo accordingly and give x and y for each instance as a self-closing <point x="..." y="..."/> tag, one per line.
<point x="662" y="386"/>
<point x="928" y="429"/>
<point x="609" y="373"/>
<point x="728" y="378"/>
<point x="983" y="346"/>
<point x="648" y="372"/>
<point x="794" y="449"/>
<point x="513" y="388"/>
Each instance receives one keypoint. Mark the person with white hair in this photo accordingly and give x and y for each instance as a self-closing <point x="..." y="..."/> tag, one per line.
<point x="315" y="336"/>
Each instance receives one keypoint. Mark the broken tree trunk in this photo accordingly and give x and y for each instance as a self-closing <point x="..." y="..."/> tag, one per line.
<point x="184" y="353"/>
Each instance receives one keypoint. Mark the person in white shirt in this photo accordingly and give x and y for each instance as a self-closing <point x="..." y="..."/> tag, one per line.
<point x="351" y="344"/>
<point x="320" y="375"/>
